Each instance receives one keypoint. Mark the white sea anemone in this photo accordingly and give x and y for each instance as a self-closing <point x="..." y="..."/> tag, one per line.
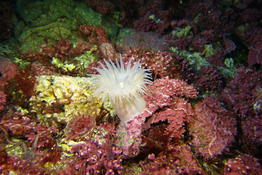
<point x="123" y="86"/>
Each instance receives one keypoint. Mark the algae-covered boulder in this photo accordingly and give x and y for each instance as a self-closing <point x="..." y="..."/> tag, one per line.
<point x="49" y="21"/>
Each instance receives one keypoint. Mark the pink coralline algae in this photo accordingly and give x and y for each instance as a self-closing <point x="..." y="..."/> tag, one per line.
<point x="96" y="154"/>
<point x="162" y="64"/>
<point x="175" y="122"/>
<point x="94" y="159"/>
<point x="178" y="160"/>
<point x="173" y="87"/>
<point x="213" y="128"/>
<point x="243" y="165"/>
<point x="162" y="93"/>
<point x="170" y="93"/>
<point x="176" y="118"/>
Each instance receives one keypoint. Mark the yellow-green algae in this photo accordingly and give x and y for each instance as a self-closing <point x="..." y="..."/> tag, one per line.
<point x="78" y="64"/>
<point x="95" y="134"/>
<point x="133" y="169"/>
<point x="61" y="65"/>
<point x="195" y="59"/>
<point x="180" y="32"/>
<point x="66" y="146"/>
<point x="229" y="69"/>
<point x="15" y="149"/>
<point x="66" y="96"/>
<point x="209" y="50"/>
<point x="21" y="63"/>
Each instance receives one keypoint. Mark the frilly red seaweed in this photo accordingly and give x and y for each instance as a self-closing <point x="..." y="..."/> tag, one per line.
<point x="243" y="93"/>
<point x="93" y="34"/>
<point x="21" y="166"/>
<point x="251" y="139"/>
<point x="162" y="93"/>
<point x="162" y="64"/>
<point x="39" y="137"/>
<point x="8" y="71"/>
<point x="63" y="49"/>
<point x="80" y="125"/>
<point x="153" y="17"/>
<point x="2" y="100"/>
<point x="209" y="79"/>
<point x="176" y="161"/>
<point x="95" y="157"/>
<point x="213" y="128"/>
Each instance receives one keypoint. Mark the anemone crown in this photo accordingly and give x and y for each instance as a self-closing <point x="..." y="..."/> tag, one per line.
<point x="119" y="82"/>
<point x="123" y="85"/>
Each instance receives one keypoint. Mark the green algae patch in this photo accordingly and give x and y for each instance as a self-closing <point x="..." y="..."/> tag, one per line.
<point x="51" y="21"/>
<point x="195" y="59"/>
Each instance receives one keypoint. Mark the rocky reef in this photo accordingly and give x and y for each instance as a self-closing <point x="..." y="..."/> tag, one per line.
<point x="187" y="73"/>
